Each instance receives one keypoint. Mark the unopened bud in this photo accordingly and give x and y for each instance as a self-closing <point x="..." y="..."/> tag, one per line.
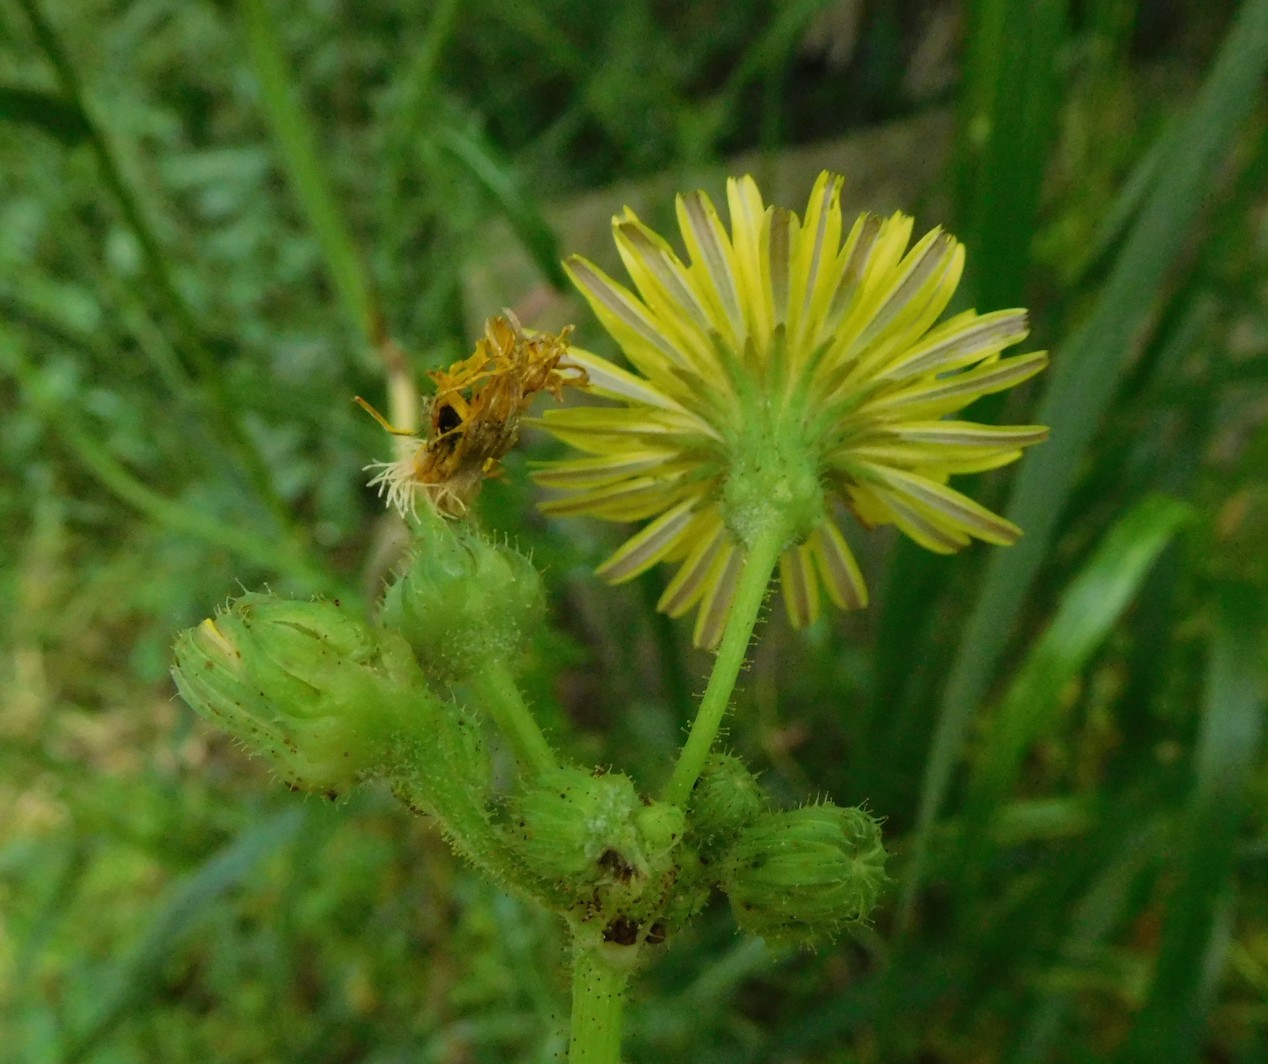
<point x="463" y="600"/>
<point x="660" y="828"/>
<point x="574" y="826"/>
<point x="799" y="876"/>
<point x="585" y="832"/>
<point x="725" y="799"/>
<point x="317" y="692"/>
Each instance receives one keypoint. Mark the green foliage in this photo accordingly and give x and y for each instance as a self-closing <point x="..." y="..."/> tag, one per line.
<point x="221" y="222"/>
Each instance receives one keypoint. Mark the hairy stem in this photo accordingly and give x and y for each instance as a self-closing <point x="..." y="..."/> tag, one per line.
<point x="496" y="693"/>
<point x="762" y="555"/>
<point x="598" y="999"/>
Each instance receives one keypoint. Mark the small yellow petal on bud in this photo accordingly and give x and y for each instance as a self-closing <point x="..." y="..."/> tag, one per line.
<point x="215" y="639"/>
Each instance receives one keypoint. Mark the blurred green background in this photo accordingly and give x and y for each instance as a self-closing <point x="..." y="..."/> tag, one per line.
<point x="215" y="219"/>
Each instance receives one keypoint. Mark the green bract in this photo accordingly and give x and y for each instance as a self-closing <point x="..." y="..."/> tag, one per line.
<point x="320" y="694"/>
<point x="463" y="600"/>
<point x="725" y="799"/>
<point x="578" y="828"/>
<point x="799" y="876"/>
<point x="614" y="859"/>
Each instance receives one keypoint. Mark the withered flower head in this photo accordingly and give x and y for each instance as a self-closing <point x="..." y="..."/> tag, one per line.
<point x="474" y="417"/>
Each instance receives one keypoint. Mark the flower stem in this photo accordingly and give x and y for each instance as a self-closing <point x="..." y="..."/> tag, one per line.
<point x="497" y="694"/>
<point x="598" y="999"/>
<point x="763" y="553"/>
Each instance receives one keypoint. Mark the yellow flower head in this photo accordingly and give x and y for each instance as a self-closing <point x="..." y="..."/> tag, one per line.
<point x="792" y="365"/>
<point x="474" y="417"/>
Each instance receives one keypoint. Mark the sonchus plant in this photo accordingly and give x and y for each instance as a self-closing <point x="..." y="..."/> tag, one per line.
<point x="789" y="372"/>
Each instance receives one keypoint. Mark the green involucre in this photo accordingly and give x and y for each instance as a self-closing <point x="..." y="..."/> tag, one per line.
<point x="614" y="859"/>
<point x="463" y="601"/>
<point x="578" y="828"/>
<point x="726" y="799"/>
<point x="799" y="876"/>
<point x="320" y="694"/>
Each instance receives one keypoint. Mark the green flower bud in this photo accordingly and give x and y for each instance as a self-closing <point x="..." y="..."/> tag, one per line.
<point x="660" y="828"/>
<point x="577" y="828"/>
<point x="317" y="692"/>
<point x="725" y="799"/>
<point x="463" y="600"/>
<point x="605" y="854"/>
<point x="800" y="875"/>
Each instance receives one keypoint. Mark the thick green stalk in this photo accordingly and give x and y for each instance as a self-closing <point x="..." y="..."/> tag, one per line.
<point x="598" y="1000"/>
<point x="758" y="566"/>
<point x="497" y="694"/>
<point x="431" y="772"/>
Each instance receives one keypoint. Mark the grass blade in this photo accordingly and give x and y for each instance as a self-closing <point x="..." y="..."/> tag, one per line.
<point x="1092" y="922"/>
<point x="1089" y="609"/>
<point x="1012" y="94"/>
<point x="478" y="159"/>
<point x="44" y="111"/>
<point x="199" y="361"/>
<point x="158" y="268"/>
<point x="307" y="177"/>
<point x="1085" y="373"/>
<point x="1170" y="1026"/>
<point x="268" y="552"/>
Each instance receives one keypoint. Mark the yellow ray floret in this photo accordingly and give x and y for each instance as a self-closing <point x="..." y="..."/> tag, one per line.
<point x="803" y="348"/>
